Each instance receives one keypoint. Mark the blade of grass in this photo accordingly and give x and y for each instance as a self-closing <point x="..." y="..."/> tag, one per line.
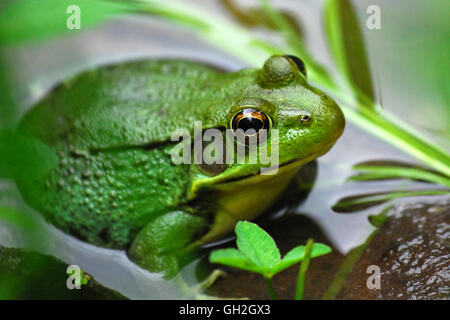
<point x="382" y="172"/>
<point x="353" y="257"/>
<point x="316" y="72"/>
<point x="255" y="17"/>
<point x="26" y="20"/>
<point x="347" y="46"/>
<point x="381" y="127"/>
<point x="213" y="29"/>
<point x="303" y="268"/>
<point x="8" y="108"/>
<point x="345" y="269"/>
<point x="356" y="203"/>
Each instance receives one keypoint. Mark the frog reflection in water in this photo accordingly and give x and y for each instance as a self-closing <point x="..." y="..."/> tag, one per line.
<point x="116" y="186"/>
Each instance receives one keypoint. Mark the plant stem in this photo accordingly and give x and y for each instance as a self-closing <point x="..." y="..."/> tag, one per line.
<point x="270" y="287"/>
<point x="303" y="268"/>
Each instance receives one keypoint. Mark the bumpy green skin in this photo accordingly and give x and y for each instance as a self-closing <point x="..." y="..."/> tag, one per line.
<point x="111" y="128"/>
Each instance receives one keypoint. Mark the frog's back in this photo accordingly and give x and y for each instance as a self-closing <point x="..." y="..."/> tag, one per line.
<point x="132" y="103"/>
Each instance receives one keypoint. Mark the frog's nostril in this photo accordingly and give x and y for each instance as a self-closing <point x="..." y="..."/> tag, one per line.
<point x="306" y="118"/>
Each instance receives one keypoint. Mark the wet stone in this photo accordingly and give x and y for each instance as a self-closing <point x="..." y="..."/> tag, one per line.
<point x="412" y="249"/>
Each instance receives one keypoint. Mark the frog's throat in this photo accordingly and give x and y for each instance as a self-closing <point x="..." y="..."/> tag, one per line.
<point x="247" y="198"/>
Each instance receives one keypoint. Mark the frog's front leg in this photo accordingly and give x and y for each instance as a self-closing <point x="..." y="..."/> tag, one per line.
<point x="165" y="244"/>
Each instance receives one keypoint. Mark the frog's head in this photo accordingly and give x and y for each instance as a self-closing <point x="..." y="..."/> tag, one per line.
<point x="278" y="102"/>
<point x="308" y="121"/>
<point x="277" y="98"/>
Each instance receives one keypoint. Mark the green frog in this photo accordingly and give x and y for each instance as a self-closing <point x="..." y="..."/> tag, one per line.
<point x="116" y="184"/>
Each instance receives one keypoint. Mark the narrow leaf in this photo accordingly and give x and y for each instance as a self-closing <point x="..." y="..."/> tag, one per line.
<point x="8" y="108"/>
<point x="22" y="157"/>
<point x="297" y="254"/>
<point x="347" y="46"/>
<point x="233" y="258"/>
<point x="302" y="272"/>
<point x="257" y="245"/>
<point x="398" y="133"/>
<point x="316" y="72"/>
<point x="360" y="202"/>
<point x="377" y="220"/>
<point x="386" y="173"/>
<point x="376" y="170"/>
<point x="24" y="20"/>
<point x="16" y="218"/>
<point x="256" y="17"/>
<point x="344" y="270"/>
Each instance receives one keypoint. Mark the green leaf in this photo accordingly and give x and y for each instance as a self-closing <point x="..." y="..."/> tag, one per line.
<point x="347" y="46"/>
<point x="256" y="17"/>
<point x="377" y="220"/>
<point x="297" y="254"/>
<point x="376" y="170"/>
<point x="233" y="258"/>
<point x="24" y="20"/>
<point x="8" y="108"/>
<point x="17" y="218"/>
<point x="22" y="157"/>
<point x="295" y="45"/>
<point x="360" y="202"/>
<point x="344" y="270"/>
<point x="257" y="245"/>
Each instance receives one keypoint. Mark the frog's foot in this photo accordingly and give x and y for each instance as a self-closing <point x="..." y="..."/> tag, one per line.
<point x="163" y="244"/>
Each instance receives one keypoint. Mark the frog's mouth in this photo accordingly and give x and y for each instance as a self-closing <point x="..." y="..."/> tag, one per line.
<point x="272" y="179"/>
<point x="285" y="170"/>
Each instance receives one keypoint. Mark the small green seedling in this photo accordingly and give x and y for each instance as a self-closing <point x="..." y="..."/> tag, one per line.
<point x="257" y="252"/>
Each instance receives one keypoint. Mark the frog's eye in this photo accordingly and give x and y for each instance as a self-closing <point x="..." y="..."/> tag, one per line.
<point x="250" y="122"/>
<point x="298" y="62"/>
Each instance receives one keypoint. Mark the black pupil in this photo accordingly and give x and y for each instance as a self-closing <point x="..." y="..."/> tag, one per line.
<point x="299" y="63"/>
<point x="251" y="123"/>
